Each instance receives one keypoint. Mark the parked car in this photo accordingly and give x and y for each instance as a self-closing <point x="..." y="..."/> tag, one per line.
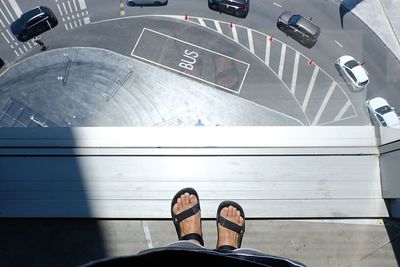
<point x="238" y="8"/>
<point x="382" y="114"/>
<point x="352" y="72"/>
<point x="146" y="2"/>
<point x="33" y="23"/>
<point x="299" y="28"/>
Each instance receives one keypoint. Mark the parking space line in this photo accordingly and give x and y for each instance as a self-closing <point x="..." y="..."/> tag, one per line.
<point x="251" y="43"/>
<point x="218" y="27"/>
<point x="267" y="51"/>
<point x="2" y="33"/>
<point x="8" y="10"/>
<point x="343" y="110"/>
<point x="4" y="15"/>
<point x="324" y="103"/>
<point x="16" y="8"/>
<point x="201" y="21"/>
<point x="235" y="35"/>
<point x="295" y="71"/>
<point x="282" y="61"/>
<point x="310" y="88"/>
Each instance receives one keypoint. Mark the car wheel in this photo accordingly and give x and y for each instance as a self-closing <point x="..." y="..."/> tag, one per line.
<point x="281" y="27"/>
<point x="212" y="6"/>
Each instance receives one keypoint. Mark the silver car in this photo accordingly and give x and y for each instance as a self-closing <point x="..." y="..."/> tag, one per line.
<point x="146" y="2"/>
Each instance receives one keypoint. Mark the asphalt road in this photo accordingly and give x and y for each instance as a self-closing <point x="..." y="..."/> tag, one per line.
<point x="273" y="70"/>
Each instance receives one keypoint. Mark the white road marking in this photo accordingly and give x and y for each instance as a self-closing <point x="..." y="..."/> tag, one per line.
<point x="80" y="23"/>
<point x="324" y="103"/>
<point x="77" y="14"/>
<point x="83" y="14"/>
<point x="26" y="49"/>
<point x="2" y="33"/>
<point x="310" y="88"/>
<point x="12" y="46"/>
<point x="282" y="61"/>
<point x="251" y="43"/>
<point x="339" y="44"/>
<point x="234" y="33"/>
<point x="16" y="8"/>
<point x="20" y="50"/>
<point x="15" y="51"/>
<point x="8" y="10"/>
<point x="86" y="20"/>
<point x="75" y="7"/>
<point x="218" y="27"/>
<point x="9" y="34"/>
<point x="2" y="23"/>
<point x="66" y="27"/>
<point x="59" y="9"/>
<point x="276" y="4"/>
<point x="146" y="231"/>
<point x="29" y="44"/>
<point x="70" y="25"/>
<point x="70" y="7"/>
<point x="267" y="51"/>
<point x="68" y="18"/>
<point x="295" y="71"/>
<point x="65" y="9"/>
<point x="76" y="25"/>
<point x="343" y="110"/>
<point x="4" y="15"/>
<point x="63" y="19"/>
<point x="201" y="21"/>
<point x="73" y="17"/>
<point x="82" y="4"/>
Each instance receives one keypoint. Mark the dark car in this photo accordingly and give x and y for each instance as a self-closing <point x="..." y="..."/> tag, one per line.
<point x="33" y="23"/>
<point x="146" y="2"/>
<point x="238" y="8"/>
<point x="299" y="28"/>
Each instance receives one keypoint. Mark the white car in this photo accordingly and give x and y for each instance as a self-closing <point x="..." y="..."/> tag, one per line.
<point x="382" y="114"/>
<point x="351" y="70"/>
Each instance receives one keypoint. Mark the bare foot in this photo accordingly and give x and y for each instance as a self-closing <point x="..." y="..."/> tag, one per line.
<point x="193" y="223"/>
<point x="227" y="237"/>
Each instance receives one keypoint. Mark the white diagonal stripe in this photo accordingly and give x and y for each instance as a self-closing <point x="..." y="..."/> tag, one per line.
<point x="80" y="23"/>
<point x="282" y="61"/>
<point x="343" y="110"/>
<point x="201" y="21"/>
<point x="76" y="25"/>
<point x="2" y="33"/>
<point x="75" y="7"/>
<point x="65" y="9"/>
<point x="324" y="103"/>
<point x="147" y="234"/>
<point x="70" y="7"/>
<point x="26" y="49"/>
<point x="267" y="51"/>
<point x="4" y="15"/>
<point x="295" y="71"/>
<point x="8" y="10"/>
<point x="235" y="35"/>
<point x="29" y="44"/>
<point x="70" y="25"/>
<point x="66" y="27"/>
<point x="16" y="8"/>
<point x="15" y="51"/>
<point x="251" y="43"/>
<point x="310" y="88"/>
<point x="59" y="9"/>
<point x="20" y="50"/>
<point x="2" y="23"/>
<point x="9" y="34"/>
<point x="218" y="27"/>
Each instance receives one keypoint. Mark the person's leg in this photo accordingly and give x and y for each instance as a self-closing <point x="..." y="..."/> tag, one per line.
<point x="230" y="225"/>
<point x="185" y="211"/>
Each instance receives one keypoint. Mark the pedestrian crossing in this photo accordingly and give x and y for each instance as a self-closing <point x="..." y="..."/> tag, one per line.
<point x="9" y="12"/>
<point x="322" y="100"/>
<point x="73" y="13"/>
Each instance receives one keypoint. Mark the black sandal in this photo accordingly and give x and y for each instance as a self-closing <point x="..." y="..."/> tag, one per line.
<point x="230" y="225"/>
<point x="177" y="218"/>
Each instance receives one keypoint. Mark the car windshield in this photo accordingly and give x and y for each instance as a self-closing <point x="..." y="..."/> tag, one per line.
<point x="383" y="110"/>
<point x="294" y="19"/>
<point x="351" y="64"/>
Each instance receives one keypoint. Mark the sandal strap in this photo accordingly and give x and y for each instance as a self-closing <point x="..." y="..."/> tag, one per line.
<point x="193" y="236"/>
<point x="187" y="213"/>
<point x="226" y="247"/>
<point x="230" y="225"/>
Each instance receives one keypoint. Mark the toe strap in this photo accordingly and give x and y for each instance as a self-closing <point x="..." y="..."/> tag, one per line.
<point x="230" y="225"/>
<point x="187" y="213"/>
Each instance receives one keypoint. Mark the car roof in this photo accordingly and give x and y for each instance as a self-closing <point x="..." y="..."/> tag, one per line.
<point x="308" y="25"/>
<point x="377" y="102"/>
<point x="360" y="73"/>
<point x="31" y="13"/>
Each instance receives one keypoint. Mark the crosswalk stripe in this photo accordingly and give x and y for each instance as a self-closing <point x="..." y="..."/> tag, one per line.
<point x="29" y="44"/>
<point x="9" y="34"/>
<point x="201" y="21"/>
<point x="2" y="23"/>
<point x="20" y="50"/>
<point x="282" y="61"/>
<point x="70" y="25"/>
<point x="65" y="9"/>
<point x="59" y="9"/>
<point x="295" y="71"/>
<point x="75" y="7"/>
<point x="76" y="25"/>
<point x="2" y="33"/>
<point x="235" y="35"/>
<point x="15" y="51"/>
<point x="16" y="8"/>
<point x="324" y="103"/>
<point x="70" y="8"/>
<point x="218" y="27"/>
<point x="8" y="10"/>
<point x="251" y="43"/>
<point x="310" y="88"/>
<point x="4" y="16"/>
<point x="80" y="23"/>
<point x="343" y="110"/>
<point x="267" y="51"/>
<point x="66" y="27"/>
<point x="26" y="49"/>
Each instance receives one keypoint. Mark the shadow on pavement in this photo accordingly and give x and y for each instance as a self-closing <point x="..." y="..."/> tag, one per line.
<point x="345" y="7"/>
<point x="393" y="230"/>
